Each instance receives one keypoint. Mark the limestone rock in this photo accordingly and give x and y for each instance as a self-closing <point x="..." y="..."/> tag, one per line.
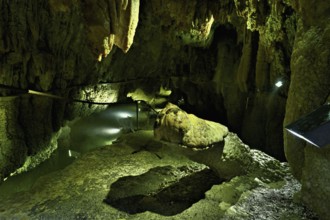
<point x="12" y="147"/>
<point x="142" y="174"/>
<point x="111" y="22"/>
<point x="309" y="89"/>
<point x="175" y="125"/>
<point x="232" y="158"/>
<point x="315" y="190"/>
<point x="228" y="156"/>
<point x="188" y="21"/>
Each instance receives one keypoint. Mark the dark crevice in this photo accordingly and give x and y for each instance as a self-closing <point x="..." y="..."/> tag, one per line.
<point x="163" y="190"/>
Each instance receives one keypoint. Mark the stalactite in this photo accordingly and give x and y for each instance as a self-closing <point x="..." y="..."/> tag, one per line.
<point x="111" y="22"/>
<point x="244" y="67"/>
<point x="128" y="20"/>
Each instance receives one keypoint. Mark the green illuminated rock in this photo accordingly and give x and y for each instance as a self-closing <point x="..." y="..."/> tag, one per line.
<point x="143" y="178"/>
<point x="176" y="126"/>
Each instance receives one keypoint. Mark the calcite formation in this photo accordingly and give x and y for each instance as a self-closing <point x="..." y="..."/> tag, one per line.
<point x="111" y="23"/>
<point x="175" y="125"/>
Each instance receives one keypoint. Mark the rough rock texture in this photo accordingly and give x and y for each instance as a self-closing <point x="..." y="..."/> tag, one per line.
<point x="43" y="47"/>
<point x="231" y="158"/>
<point x="12" y="146"/>
<point x="310" y="83"/>
<point x="177" y="126"/>
<point x="315" y="191"/>
<point x="144" y="171"/>
<point x="310" y="86"/>
<point x="262" y="199"/>
<point x="111" y="23"/>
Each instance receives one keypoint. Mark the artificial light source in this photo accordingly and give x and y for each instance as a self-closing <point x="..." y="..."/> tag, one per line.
<point x="111" y="130"/>
<point x="314" y="127"/>
<point x="74" y="154"/>
<point x="279" y="84"/>
<point x="124" y="114"/>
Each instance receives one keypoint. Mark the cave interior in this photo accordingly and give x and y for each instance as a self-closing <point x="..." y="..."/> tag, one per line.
<point x="164" y="109"/>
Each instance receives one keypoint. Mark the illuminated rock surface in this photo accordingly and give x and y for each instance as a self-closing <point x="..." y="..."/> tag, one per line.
<point x="177" y="126"/>
<point x="161" y="182"/>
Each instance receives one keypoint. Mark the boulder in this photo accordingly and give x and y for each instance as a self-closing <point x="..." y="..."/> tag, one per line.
<point x="176" y="126"/>
<point x="212" y="144"/>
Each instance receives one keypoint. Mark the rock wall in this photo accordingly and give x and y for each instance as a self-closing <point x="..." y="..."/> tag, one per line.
<point x="48" y="46"/>
<point x="13" y="150"/>
<point x="309" y="89"/>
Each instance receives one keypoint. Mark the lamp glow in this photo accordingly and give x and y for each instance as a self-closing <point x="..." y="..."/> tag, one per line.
<point x="278" y="84"/>
<point x="111" y="130"/>
<point x="124" y="115"/>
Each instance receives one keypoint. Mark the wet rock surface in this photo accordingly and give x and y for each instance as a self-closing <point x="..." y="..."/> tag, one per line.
<point x="138" y="166"/>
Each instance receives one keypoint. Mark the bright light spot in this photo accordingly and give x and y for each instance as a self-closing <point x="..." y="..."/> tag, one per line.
<point x="108" y="143"/>
<point x="5" y="179"/>
<point x="302" y="137"/>
<point x="124" y="115"/>
<point x="111" y="130"/>
<point x="278" y="84"/>
<point x="70" y="154"/>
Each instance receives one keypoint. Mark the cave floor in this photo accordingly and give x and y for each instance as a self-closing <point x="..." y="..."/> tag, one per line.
<point x="138" y="177"/>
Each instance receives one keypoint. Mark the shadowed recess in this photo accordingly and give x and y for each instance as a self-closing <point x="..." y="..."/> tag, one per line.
<point x="163" y="190"/>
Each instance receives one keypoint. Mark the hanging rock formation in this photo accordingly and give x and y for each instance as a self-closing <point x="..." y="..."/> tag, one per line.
<point x="111" y="23"/>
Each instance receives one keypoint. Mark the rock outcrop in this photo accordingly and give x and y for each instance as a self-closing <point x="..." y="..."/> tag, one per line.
<point x="309" y="89"/>
<point x="143" y="178"/>
<point x="177" y="126"/>
<point x="212" y="144"/>
<point x="45" y="48"/>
